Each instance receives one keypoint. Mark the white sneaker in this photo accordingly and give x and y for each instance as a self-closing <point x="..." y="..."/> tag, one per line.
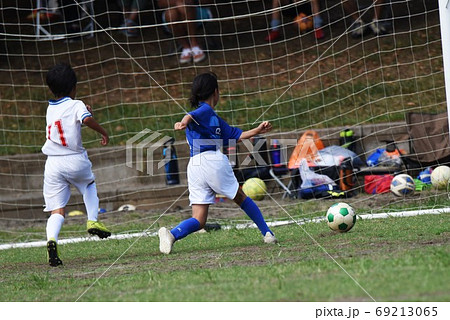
<point x="166" y="240"/>
<point x="377" y="27"/>
<point x="270" y="238"/>
<point x="186" y="56"/>
<point x="198" y="55"/>
<point x="358" y="29"/>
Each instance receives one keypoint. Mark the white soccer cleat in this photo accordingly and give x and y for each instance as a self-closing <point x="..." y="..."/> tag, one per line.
<point x="270" y="238"/>
<point x="358" y="29"/>
<point x="166" y="240"/>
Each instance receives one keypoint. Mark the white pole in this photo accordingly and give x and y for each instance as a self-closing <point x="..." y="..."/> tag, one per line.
<point x="369" y="216"/>
<point x="444" y="14"/>
<point x="38" y="18"/>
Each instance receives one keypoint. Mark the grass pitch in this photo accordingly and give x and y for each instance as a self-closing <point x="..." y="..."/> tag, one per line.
<point x="395" y="259"/>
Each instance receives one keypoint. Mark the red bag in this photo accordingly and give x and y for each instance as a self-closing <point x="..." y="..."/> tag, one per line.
<point x="378" y="183"/>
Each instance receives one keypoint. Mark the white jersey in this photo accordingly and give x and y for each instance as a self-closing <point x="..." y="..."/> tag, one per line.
<point x="63" y="131"/>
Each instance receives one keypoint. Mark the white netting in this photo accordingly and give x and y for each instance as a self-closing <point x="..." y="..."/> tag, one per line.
<point x="135" y="82"/>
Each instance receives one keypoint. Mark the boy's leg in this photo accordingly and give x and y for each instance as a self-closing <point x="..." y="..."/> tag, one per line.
<point x="54" y="224"/>
<point x="82" y="177"/>
<point x="56" y="193"/>
<point x="91" y="202"/>
<point x="275" y="22"/>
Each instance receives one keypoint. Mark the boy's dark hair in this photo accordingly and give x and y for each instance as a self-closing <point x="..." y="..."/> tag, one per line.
<point x="203" y="86"/>
<point x="61" y="79"/>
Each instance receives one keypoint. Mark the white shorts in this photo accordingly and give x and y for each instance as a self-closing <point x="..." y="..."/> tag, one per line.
<point x="61" y="172"/>
<point x="209" y="173"/>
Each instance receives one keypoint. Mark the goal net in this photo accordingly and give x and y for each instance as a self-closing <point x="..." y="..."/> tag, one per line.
<point x="362" y="81"/>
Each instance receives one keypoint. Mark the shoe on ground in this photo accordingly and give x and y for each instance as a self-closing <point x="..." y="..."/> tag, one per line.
<point x="166" y="240"/>
<point x="273" y="36"/>
<point x="358" y="29"/>
<point x="318" y="33"/>
<point x="186" y="56"/>
<point x="198" y="55"/>
<point x="52" y="253"/>
<point x="270" y="238"/>
<point x="377" y="27"/>
<point x="75" y="39"/>
<point x="98" y="229"/>
<point x="131" y="30"/>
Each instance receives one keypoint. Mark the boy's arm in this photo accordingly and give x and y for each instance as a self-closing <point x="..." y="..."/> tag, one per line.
<point x="183" y="123"/>
<point x="91" y="123"/>
<point x="264" y="127"/>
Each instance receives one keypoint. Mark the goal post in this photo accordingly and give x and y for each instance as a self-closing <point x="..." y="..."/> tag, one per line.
<point x="444" y="14"/>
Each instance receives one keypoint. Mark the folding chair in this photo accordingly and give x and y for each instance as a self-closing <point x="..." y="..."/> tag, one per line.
<point x="307" y="148"/>
<point x="278" y="168"/>
<point x="429" y="141"/>
<point x="42" y="32"/>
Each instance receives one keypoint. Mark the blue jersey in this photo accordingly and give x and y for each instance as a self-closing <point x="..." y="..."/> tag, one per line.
<point x="208" y="131"/>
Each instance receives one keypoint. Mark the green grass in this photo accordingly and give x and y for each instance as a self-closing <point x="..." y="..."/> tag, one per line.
<point x="396" y="259"/>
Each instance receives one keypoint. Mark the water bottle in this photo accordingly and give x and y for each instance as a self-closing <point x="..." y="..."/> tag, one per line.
<point x="347" y="140"/>
<point x="346" y="179"/>
<point x="171" y="163"/>
<point x="275" y="153"/>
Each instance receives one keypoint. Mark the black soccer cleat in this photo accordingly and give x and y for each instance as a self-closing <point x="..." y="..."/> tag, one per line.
<point x="52" y="253"/>
<point x="97" y="228"/>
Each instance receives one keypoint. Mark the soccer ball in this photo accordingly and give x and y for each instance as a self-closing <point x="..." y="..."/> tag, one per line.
<point x="341" y="217"/>
<point x="255" y="188"/>
<point x="440" y="177"/>
<point x="403" y="185"/>
<point x="127" y="207"/>
<point x="304" y="22"/>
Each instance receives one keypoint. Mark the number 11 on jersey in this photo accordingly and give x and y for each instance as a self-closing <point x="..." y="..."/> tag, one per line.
<point x="58" y="125"/>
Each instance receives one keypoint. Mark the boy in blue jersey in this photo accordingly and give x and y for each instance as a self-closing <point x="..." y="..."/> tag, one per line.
<point x="209" y="171"/>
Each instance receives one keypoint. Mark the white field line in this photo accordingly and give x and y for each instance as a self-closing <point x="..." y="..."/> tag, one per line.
<point x="238" y="226"/>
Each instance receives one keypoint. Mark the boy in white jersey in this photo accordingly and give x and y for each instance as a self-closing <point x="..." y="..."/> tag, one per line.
<point x="67" y="161"/>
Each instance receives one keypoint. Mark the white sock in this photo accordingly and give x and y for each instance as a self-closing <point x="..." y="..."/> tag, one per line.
<point x="90" y="199"/>
<point x="54" y="224"/>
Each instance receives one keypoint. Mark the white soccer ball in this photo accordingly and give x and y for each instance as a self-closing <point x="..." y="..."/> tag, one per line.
<point x="403" y="185"/>
<point x="127" y="207"/>
<point x="440" y="177"/>
<point x="341" y="217"/>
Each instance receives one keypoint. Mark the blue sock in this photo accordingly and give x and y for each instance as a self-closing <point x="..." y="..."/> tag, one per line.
<point x="185" y="227"/>
<point x="252" y="210"/>
<point x="275" y="24"/>
<point x="317" y="22"/>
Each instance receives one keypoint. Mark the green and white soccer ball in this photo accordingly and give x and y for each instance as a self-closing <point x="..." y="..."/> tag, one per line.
<point x="255" y="188"/>
<point x="341" y="217"/>
<point x="403" y="185"/>
<point x="440" y="177"/>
